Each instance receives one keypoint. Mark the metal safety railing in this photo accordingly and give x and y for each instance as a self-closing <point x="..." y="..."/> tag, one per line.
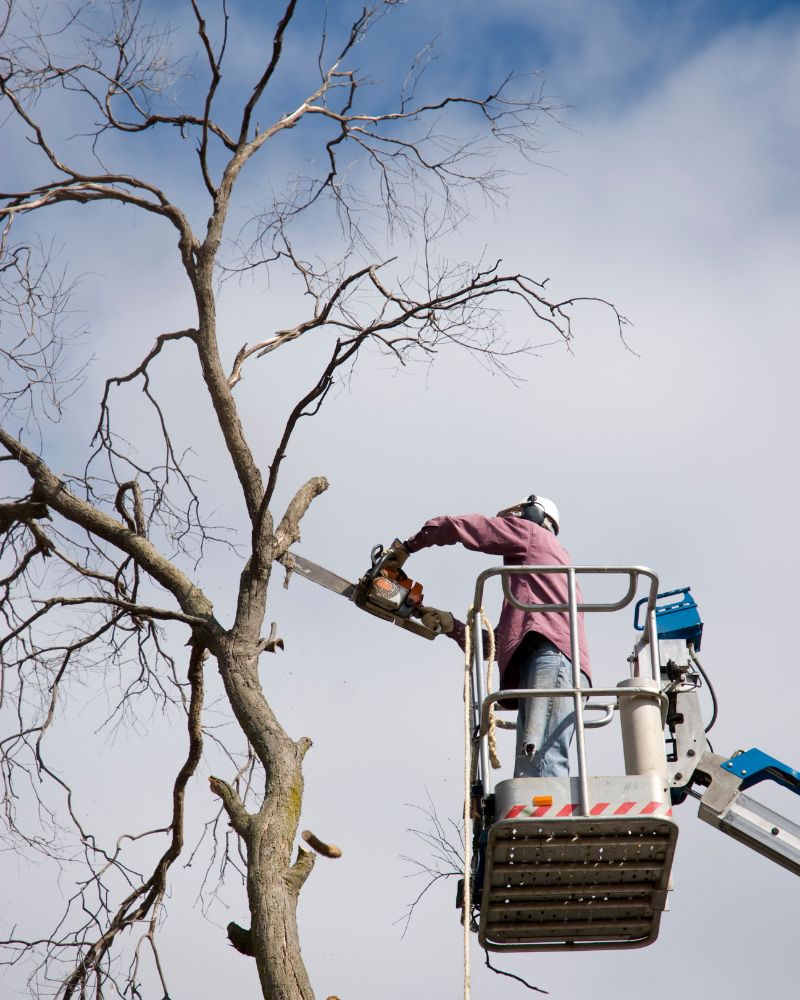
<point x="483" y="700"/>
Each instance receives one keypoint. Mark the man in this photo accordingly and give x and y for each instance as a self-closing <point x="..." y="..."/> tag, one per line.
<point x="533" y="647"/>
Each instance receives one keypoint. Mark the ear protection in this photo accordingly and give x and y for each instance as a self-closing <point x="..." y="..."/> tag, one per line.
<point x="532" y="511"/>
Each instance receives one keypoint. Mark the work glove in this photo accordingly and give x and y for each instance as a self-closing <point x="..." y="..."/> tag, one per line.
<point x="437" y="620"/>
<point x="397" y="555"/>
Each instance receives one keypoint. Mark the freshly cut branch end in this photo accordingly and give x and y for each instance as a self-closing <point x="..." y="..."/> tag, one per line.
<point x="326" y="850"/>
<point x="273" y="643"/>
<point x="287" y="561"/>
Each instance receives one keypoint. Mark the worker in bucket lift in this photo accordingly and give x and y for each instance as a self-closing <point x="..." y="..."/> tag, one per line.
<point x="533" y="647"/>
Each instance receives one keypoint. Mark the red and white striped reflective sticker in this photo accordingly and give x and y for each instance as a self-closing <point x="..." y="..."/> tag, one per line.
<point x="598" y="809"/>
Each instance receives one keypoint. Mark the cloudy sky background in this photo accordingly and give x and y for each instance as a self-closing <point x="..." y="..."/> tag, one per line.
<point x="673" y="193"/>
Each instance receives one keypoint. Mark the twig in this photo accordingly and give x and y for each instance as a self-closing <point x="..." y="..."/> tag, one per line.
<point x="519" y="979"/>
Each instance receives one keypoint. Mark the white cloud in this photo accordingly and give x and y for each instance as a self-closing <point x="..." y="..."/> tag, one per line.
<point x="680" y="204"/>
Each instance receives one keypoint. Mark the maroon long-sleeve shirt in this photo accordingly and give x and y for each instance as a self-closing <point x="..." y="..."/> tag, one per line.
<point x="520" y="543"/>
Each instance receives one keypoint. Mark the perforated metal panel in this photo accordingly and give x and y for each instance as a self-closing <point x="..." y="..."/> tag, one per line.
<point x="570" y="883"/>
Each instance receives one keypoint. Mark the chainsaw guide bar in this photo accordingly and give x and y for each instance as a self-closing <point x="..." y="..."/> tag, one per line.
<point x="387" y="587"/>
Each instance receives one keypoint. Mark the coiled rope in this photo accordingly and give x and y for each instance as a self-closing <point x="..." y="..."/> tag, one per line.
<point x="490" y="654"/>
<point x="466" y="912"/>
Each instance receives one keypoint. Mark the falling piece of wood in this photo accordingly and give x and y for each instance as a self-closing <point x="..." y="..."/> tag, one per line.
<point x="326" y="850"/>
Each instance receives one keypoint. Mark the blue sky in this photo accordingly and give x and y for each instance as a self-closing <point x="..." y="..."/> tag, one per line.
<point x="564" y="39"/>
<point x="673" y="193"/>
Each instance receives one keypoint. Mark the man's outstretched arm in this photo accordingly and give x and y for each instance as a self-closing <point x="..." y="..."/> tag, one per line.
<point x="498" y="536"/>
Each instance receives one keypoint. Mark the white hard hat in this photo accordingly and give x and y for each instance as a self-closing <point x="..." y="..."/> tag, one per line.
<point x="534" y="508"/>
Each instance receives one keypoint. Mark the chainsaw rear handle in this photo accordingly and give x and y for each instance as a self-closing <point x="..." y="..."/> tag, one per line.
<point x="436" y="631"/>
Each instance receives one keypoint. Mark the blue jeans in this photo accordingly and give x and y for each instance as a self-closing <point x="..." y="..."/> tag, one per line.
<point x="545" y="726"/>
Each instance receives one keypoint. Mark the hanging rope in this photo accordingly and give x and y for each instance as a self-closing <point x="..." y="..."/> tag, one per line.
<point x="467" y="910"/>
<point x="465" y="913"/>
<point x="490" y="654"/>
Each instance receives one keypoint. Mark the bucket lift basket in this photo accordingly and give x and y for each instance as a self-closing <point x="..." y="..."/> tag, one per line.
<point x="576" y="863"/>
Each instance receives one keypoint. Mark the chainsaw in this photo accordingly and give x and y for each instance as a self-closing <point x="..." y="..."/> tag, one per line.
<point x="384" y="592"/>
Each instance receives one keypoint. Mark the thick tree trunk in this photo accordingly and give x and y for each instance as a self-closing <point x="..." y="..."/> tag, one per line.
<point x="273" y="881"/>
<point x="273" y="909"/>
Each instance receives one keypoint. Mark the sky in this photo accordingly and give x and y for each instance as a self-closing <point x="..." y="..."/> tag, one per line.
<point x="669" y="189"/>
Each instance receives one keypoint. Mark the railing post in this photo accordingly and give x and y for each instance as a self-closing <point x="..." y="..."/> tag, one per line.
<point x="479" y="686"/>
<point x="580" y="740"/>
<point x="652" y="633"/>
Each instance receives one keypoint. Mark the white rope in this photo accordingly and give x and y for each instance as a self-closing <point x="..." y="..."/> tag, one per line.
<point x="490" y="653"/>
<point x="466" y="912"/>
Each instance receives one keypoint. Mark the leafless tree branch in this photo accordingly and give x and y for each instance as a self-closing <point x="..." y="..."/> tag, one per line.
<point x="105" y="566"/>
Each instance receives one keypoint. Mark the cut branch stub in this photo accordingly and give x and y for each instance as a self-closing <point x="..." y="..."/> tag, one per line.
<point x="273" y="643"/>
<point x="240" y="938"/>
<point x="237" y="814"/>
<point x="289" y="529"/>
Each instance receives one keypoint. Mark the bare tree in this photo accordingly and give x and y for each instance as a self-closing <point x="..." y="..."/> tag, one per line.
<point x="106" y="565"/>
